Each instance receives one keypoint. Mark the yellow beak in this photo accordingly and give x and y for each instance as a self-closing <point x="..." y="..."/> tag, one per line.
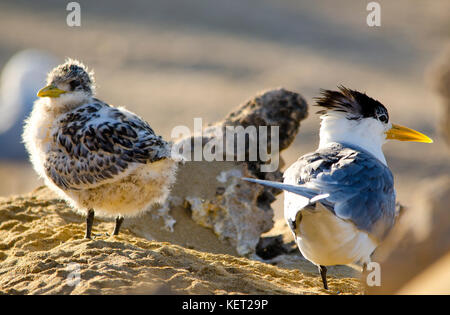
<point x="401" y="133"/>
<point x="50" y="91"/>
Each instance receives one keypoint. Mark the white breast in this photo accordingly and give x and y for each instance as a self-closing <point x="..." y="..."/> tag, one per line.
<point x="327" y="240"/>
<point x="37" y="135"/>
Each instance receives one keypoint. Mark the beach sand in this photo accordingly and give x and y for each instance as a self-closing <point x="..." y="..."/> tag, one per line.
<point x="42" y="246"/>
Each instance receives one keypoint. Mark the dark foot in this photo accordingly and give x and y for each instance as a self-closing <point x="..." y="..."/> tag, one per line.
<point x="89" y="223"/>
<point x="323" y="273"/>
<point x="119" y="220"/>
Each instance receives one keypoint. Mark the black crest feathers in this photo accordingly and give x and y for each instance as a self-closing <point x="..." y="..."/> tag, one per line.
<point x="356" y="104"/>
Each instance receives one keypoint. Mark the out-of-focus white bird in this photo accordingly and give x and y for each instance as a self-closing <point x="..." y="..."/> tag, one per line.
<point x="340" y="199"/>
<point x="95" y="156"/>
<point x="21" y="77"/>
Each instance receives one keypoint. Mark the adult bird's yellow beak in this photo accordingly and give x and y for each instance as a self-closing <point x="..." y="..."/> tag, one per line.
<point x="50" y="91"/>
<point x="401" y="133"/>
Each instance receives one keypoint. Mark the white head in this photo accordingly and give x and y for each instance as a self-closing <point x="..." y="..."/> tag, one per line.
<point x="354" y="118"/>
<point x="68" y="86"/>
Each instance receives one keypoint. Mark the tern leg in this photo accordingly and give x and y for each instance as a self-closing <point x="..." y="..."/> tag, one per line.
<point x="323" y="273"/>
<point x="89" y="223"/>
<point x="364" y="273"/>
<point x="364" y="270"/>
<point x="119" y="220"/>
<point x="364" y="278"/>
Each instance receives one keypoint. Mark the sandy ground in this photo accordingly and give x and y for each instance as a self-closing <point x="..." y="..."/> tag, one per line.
<point x="42" y="239"/>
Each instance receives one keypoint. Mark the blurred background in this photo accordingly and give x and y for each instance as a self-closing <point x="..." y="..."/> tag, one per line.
<point x="171" y="61"/>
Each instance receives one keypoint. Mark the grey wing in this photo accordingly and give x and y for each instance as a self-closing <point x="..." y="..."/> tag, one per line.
<point x="360" y="187"/>
<point x="98" y="143"/>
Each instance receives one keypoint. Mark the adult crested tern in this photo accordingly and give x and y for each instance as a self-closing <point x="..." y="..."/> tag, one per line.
<point x="95" y="156"/>
<point x="340" y="199"/>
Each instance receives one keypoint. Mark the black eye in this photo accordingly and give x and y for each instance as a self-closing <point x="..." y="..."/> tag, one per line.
<point x="74" y="84"/>
<point x="383" y="118"/>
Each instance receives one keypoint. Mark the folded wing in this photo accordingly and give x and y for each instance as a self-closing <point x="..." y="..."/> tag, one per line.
<point x="360" y="187"/>
<point x="97" y="143"/>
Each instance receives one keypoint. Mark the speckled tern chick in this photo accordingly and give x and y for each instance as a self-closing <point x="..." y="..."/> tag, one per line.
<point x="95" y="156"/>
<point x="340" y="199"/>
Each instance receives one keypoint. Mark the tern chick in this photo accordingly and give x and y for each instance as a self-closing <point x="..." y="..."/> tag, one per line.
<point x="95" y="156"/>
<point x="340" y="199"/>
